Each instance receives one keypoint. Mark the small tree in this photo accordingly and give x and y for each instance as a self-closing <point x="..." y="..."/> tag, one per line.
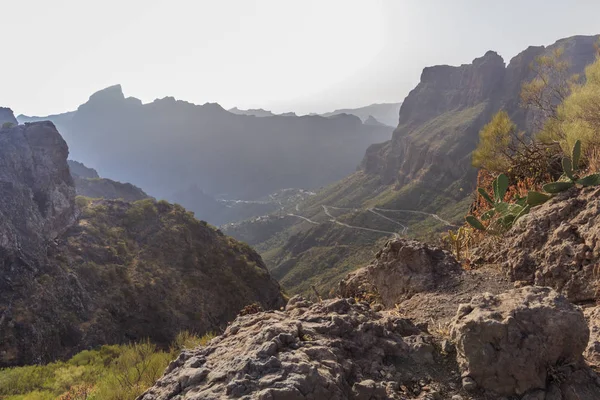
<point x="550" y="86"/>
<point x="498" y="144"/>
<point x="7" y="125"/>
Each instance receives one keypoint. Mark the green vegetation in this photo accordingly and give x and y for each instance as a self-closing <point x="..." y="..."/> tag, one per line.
<point x="571" y="115"/>
<point x="7" y="125"/>
<point x="498" y="142"/>
<point x="115" y="372"/>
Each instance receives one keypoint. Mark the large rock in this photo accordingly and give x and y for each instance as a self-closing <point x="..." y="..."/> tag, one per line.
<point x="332" y="350"/>
<point x="36" y="191"/>
<point x="558" y="245"/>
<point x="521" y="341"/>
<point x="401" y="269"/>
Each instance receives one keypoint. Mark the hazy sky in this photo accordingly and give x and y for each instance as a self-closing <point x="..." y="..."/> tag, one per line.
<point x="298" y="55"/>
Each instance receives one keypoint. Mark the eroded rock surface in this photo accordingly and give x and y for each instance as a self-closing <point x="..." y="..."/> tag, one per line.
<point x="558" y="245"/>
<point x="401" y="269"/>
<point x="336" y="349"/>
<point x="522" y="341"/>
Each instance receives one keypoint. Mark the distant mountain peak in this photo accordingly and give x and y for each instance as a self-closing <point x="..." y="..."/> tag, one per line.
<point x="371" y="120"/>
<point x="114" y="92"/>
<point x="257" y="112"/>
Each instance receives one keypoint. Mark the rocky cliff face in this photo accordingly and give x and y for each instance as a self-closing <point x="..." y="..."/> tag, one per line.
<point x="37" y="194"/>
<point x="79" y="275"/>
<point x="441" y="117"/>
<point x="6" y="115"/>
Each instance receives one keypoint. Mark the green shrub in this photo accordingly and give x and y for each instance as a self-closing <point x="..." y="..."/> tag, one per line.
<point x="115" y="372"/>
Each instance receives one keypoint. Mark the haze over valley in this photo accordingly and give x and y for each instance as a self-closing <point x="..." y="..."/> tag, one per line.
<point x="382" y="200"/>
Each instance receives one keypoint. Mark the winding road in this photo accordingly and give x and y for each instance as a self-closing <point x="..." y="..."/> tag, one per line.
<point x="374" y="210"/>
<point x="417" y="212"/>
<point x="334" y="220"/>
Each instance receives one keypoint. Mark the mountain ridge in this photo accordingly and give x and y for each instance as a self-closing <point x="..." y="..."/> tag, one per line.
<point x="425" y="167"/>
<point x="169" y="145"/>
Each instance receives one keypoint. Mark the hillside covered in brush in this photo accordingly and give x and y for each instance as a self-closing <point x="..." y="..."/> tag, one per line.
<point x="78" y="273"/>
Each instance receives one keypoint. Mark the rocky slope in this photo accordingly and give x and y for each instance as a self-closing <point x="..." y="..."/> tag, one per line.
<point x="557" y="245"/>
<point x="414" y="325"/>
<point x="426" y="167"/>
<point x="525" y="343"/>
<point x="89" y="184"/>
<point x="74" y="276"/>
<point x="168" y="146"/>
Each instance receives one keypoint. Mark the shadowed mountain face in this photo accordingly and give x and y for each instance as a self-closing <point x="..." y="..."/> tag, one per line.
<point x="7" y="116"/>
<point x="169" y="146"/>
<point x="426" y="166"/>
<point x="77" y="273"/>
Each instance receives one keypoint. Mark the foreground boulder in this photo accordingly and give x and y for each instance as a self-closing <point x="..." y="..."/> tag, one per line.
<point x="335" y="350"/>
<point x="401" y="269"/>
<point x="527" y="340"/>
<point x="558" y="245"/>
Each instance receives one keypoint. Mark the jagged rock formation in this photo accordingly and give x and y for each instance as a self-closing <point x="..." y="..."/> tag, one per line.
<point x="336" y="349"/>
<point x="89" y="184"/>
<point x="522" y="341"/>
<point x="401" y="269"/>
<point x="525" y="342"/>
<point x="557" y="245"/>
<point x="7" y="116"/>
<point x="105" y="271"/>
<point x="168" y="146"/>
<point x="36" y="197"/>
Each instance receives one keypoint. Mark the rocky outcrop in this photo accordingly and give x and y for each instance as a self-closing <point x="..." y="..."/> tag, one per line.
<point x="7" y="117"/>
<point x="336" y="349"/>
<point x="523" y="344"/>
<point x="557" y="245"/>
<point x="401" y="269"/>
<point x="523" y="341"/>
<point x="36" y="195"/>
